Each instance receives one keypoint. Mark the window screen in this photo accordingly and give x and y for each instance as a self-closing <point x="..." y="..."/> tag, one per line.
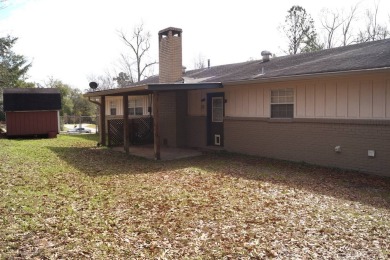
<point x="136" y="106"/>
<point x="112" y="108"/>
<point x="282" y="103"/>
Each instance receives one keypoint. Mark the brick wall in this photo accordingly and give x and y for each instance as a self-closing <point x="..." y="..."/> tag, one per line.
<point x="181" y="116"/>
<point x="170" y="55"/>
<point x="313" y="142"/>
<point x="168" y="118"/>
<point x="173" y="111"/>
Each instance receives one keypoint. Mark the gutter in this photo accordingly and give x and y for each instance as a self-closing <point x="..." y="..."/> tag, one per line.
<point x="155" y="87"/>
<point x="114" y="91"/>
<point x="183" y="86"/>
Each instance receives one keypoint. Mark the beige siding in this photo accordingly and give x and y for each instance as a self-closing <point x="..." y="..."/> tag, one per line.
<point x="342" y="99"/>
<point x="388" y="99"/>
<point x="252" y="102"/>
<point x="119" y="104"/>
<point x="267" y="101"/>
<point x="353" y="99"/>
<point x="238" y="97"/>
<point x="300" y="100"/>
<point x="309" y="101"/>
<point x="260" y="102"/>
<point x="319" y="99"/>
<point x="365" y="99"/>
<point x="197" y="101"/>
<point x="330" y="99"/>
<point x="379" y="98"/>
<point x="245" y="101"/>
<point x="357" y="97"/>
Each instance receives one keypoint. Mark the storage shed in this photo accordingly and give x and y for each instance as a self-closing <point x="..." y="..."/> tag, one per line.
<point x="32" y="112"/>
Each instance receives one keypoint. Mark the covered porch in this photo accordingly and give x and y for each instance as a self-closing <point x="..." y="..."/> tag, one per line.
<point x="168" y="118"/>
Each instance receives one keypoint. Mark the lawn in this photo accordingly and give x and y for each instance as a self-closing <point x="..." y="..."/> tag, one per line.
<point x="67" y="198"/>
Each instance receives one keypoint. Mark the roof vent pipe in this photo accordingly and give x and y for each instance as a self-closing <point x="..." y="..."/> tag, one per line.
<point x="208" y="63"/>
<point x="183" y="69"/>
<point x="266" y="55"/>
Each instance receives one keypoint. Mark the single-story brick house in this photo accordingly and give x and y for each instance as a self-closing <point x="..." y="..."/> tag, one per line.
<point x="329" y="107"/>
<point x="32" y="111"/>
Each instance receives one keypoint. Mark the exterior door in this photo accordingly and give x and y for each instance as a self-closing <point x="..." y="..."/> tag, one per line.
<point x="215" y="114"/>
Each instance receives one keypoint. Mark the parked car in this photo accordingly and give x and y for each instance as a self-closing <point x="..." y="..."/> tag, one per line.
<point x="79" y="130"/>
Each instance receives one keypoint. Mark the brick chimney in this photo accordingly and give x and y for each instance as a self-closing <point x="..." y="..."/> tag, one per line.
<point x="170" y="55"/>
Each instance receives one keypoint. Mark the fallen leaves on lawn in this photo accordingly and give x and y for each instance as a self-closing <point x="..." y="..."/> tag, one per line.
<point x="64" y="198"/>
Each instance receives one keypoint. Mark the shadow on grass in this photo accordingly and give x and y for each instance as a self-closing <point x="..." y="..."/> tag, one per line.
<point x="90" y="137"/>
<point x="343" y="184"/>
<point x="348" y="185"/>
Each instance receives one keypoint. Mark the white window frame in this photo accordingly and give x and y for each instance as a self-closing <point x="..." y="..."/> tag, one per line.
<point x="133" y="105"/>
<point x="282" y="97"/>
<point x="213" y="119"/>
<point x="113" y="106"/>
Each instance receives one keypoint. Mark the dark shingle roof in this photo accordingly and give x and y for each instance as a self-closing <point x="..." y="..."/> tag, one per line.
<point x="31" y="99"/>
<point x="364" y="56"/>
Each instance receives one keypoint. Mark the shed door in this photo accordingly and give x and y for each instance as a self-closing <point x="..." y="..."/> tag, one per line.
<point x="215" y="114"/>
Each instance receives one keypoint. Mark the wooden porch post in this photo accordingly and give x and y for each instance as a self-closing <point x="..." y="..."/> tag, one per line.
<point x="102" y="129"/>
<point x="156" y="126"/>
<point x="126" y="139"/>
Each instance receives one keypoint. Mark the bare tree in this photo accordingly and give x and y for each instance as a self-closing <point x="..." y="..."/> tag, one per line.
<point x="373" y="30"/>
<point x="346" y="26"/>
<point x="338" y="27"/>
<point x="139" y="43"/>
<point x="331" y="21"/>
<point x="199" y="62"/>
<point x="104" y="82"/>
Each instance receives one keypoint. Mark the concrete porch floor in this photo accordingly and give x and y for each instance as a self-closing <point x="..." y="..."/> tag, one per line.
<point x="166" y="153"/>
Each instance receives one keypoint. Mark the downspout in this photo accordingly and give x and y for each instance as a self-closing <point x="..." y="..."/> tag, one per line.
<point x="93" y="101"/>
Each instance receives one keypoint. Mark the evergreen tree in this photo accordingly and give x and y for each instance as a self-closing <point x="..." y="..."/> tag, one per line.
<point x="300" y="31"/>
<point x="13" y="67"/>
<point x="72" y="100"/>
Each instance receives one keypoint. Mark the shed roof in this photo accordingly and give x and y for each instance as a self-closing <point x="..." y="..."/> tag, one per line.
<point x="31" y="99"/>
<point x="31" y="90"/>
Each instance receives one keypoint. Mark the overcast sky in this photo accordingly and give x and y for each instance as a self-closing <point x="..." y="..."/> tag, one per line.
<point x="73" y="39"/>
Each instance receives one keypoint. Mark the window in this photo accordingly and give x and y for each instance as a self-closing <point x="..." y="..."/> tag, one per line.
<point x="217" y="109"/>
<point x="112" y="108"/>
<point x="282" y="103"/>
<point x="136" y="106"/>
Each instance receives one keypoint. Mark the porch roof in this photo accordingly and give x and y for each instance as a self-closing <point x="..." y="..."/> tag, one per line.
<point x="150" y="88"/>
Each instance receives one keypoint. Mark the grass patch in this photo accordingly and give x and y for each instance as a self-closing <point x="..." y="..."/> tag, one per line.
<point x="67" y="198"/>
